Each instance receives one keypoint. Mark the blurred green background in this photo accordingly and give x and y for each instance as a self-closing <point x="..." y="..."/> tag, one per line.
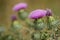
<point x="7" y="5"/>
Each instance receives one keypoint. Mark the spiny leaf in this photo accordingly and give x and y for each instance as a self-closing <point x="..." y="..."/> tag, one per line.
<point x="29" y="23"/>
<point x="36" y="36"/>
<point x="55" y="23"/>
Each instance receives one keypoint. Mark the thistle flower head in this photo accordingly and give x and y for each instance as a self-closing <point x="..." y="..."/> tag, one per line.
<point x="49" y="12"/>
<point x="36" y="14"/>
<point x="20" y="6"/>
<point x="13" y="17"/>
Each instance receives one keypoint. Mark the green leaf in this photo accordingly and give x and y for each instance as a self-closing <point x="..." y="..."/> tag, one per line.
<point x="29" y="23"/>
<point x="55" y="23"/>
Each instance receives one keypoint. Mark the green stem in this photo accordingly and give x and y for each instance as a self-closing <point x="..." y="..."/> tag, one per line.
<point x="48" y="23"/>
<point x="35" y="24"/>
<point x="12" y="26"/>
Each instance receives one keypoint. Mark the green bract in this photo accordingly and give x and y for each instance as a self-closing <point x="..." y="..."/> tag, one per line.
<point x="22" y="15"/>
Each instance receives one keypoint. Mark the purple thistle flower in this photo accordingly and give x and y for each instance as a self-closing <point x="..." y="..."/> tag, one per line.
<point x="49" y="12"/>
<point x="13" y="17"/>
<point x="36" y="14"/>
<point x="20" y="6"/>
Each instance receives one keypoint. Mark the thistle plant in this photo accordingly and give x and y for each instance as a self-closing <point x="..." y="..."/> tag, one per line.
<point x="16" y="27"/>
<point x="39" y="24"/>
<point x="15" y="23"/>
<point x="21" y="9"/>
<point x="37" y="14"/>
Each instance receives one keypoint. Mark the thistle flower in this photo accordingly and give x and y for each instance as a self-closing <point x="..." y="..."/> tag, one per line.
<point x="17" y="25"/>
<point x="36" y="14"/>
<point x="13" y="17"/>
<point x="49" y="12"/>
<point x="20" y="6"/>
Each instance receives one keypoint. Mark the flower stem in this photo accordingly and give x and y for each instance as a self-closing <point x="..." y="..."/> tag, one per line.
<point x="48" y="23"/>
<point x="35" y="24"/>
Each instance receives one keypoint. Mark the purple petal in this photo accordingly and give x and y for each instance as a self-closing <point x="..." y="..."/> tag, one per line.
<point x="49" y="12"/>
<point x="13" y="17"/>
<point x="20" y="6"/>
<point x="36" y="14"/>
